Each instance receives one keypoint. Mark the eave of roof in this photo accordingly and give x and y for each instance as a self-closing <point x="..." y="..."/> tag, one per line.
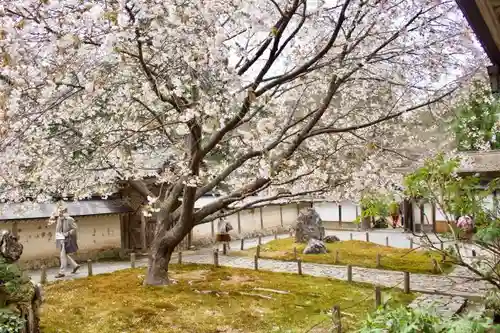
<point x="29" y="211"/>
<point x="476" y="21"/>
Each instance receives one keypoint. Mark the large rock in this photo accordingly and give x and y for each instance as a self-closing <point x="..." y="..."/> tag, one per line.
<point x="331" y="239"/>
<point x="315" y="246"/>
<point x="23" y="299"/>
<point x="309" y="226"/>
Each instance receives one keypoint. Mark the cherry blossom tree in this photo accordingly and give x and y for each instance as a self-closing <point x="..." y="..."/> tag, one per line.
<point x="240" y="97"/>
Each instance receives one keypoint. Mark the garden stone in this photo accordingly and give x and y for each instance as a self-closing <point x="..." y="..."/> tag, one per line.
<point x="331" y="239"/>
<point x="309" y="226"/>
<point x="315" y="246"/>
<point x="24" y="298"/>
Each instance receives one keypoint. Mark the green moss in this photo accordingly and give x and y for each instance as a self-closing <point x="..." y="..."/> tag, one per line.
<point x="204" y="299"/>
<point x="356" y="253"/>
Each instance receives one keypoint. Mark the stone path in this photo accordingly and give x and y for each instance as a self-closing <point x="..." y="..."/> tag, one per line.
<point x="457" y="287"/>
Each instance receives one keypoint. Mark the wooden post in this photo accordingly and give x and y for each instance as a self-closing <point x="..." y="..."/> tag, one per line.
<point x="179" y="258"/>
<point x="411" y="243"/>
<point x="224" y="249"/>
<point x="242" y="245"/>
<point x="144" y="234"/>
<point x="239" y="222"/>
<point x="406" y="282"/>
<point x="89" y="267"/>
<point x="386" y="240"/>
<point x="367" y="237"/>
<point x="275" y="234"/>
<point x="216" y="258"/>
<point x="43" y="275"/>
<point x="281" y="214"/>
<point x="340" y="216"/>
<point x="435" y="267"/>
<point x="350" y="236"/>
<point x="349" y="273"/>
<point x="298" y="209"/>
<point x="378" y="297"/>
<point x="256" y="263"/>
<point x="295" y="253"/>
<point x="442" y="246"/>
<point x="378" y="260"/>
<point x="299" y="266"/>
<point x="337" y="318"/>
<point x="261" y="219"/>
<point x="257" y="251"/>
<point x="15" y="229"/>
<point x="132" y="260"/>
<point x="474" y="253"/>
<point x="336" y="256"/>
<point x="260" y="240"/>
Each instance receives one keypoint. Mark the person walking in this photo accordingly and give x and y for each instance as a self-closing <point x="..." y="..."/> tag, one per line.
<point x="66" y="240"/>
<point x="223" y="229"/>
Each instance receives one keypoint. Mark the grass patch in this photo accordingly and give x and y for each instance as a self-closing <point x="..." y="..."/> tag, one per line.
<point x="205" y="299"/>
<point x="356" y="253"/>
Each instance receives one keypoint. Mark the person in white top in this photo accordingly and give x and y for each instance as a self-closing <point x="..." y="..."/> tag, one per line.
<point x="66" y="241"/>
<point x="223" y="229"/>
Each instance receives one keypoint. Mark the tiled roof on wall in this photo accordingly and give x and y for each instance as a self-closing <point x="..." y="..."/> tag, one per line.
<point x="26" y="211"/>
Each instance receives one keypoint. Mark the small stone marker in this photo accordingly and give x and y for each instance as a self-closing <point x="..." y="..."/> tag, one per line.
<point x="350" y="235"/>
<point x="406" y="282"/>
<point x="336" y="256"/>
<point x="299" y="266"/>
<point x="132" y="260"/>
<point x="474" y="253"/>
<point x="435" y="267"/>
<point x="256" y="263"/>
<point x="257" y="251"/>
<point x="378" y="297"/>
<point x="242" y="245"/>
<point x="43" y="274"/>
<point x="179" y="258"/>
<point x="336" y="318"/>
<point x="386" y="240"/>
<point x="216" y="258"/>
<point x="349" y="273"/>
<point x="89" y="267"/>
<point x="378" y="260"/>
<point x="367" y="237"/>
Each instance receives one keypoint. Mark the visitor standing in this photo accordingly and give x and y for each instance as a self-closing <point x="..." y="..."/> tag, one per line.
<point x="66" y="240"/>
<point x="223" y="229"/>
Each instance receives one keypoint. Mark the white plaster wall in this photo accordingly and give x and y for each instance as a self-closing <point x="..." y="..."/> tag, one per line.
<point x="328" y="211"/>
<point x="428" y="213"/>
<point x="94" y="232"/>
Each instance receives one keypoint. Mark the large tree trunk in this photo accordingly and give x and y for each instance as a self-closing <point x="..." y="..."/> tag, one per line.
<point x="158" y="268"/>
<point x="161" y="251"/>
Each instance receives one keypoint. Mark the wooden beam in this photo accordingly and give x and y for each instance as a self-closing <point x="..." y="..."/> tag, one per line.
<point x="144" y="236"/>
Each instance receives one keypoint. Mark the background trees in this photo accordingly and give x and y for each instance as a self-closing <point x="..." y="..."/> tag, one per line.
<point x="239" y="97"/>
<point x="477" y="120"/>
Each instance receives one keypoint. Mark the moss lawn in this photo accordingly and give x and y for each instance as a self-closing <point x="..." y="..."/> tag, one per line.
<point x="205" y="299"/>
<point x="355" y="253"/>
